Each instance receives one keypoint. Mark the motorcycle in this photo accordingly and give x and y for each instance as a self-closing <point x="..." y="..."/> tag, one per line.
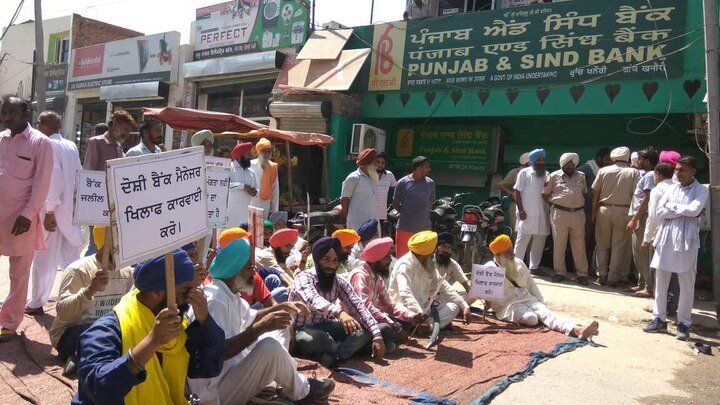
<point x="317" y="224"/>
<point x="480" y="225"/>
<point x="443" y="215"/>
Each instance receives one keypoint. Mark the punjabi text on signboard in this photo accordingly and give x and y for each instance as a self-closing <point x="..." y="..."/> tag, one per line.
<point x="91" y="203"/>
<point x="218" y="187"/>
<point x="488" y="282"/>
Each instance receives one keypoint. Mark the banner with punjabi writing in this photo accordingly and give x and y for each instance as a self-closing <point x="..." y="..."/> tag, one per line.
<point x="558" y="42"/>
<point x="218" y="188"/>
<point x="158" y="202"/>
<point x="91" y="203"/>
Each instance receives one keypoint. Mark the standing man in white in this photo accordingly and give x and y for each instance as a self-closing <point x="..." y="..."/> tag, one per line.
<point x="266" y="174"/>
<point x="532" y="219"/>
<point x="243" y="185"/>
<point x="63" y="240"/>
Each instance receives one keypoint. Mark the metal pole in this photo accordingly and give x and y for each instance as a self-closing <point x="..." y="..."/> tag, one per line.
<point x="372" y="10"/>
<point x="711" y="68"/>
<point x="288" y="167"/>
<point x="40" y="58"/>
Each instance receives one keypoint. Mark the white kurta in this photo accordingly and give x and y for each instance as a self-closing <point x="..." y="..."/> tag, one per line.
<point x="269" y="206"/>
<point x="678" y="237"/>
<point x="238" y="198"/>
<point x="413" y="285"/>
<point x="531" y="188"/>
<point x="653" y="221"/>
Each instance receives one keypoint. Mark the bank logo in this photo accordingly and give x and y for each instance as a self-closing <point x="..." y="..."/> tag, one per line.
<point x="388" y="57"/>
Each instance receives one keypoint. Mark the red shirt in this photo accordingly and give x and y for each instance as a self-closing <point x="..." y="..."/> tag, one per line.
<point x="260" y="290"/>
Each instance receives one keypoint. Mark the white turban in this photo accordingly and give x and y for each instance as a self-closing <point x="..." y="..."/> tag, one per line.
<point x="525" y="158"/>
<point x="634" y="158"/>
<point x="569" y="157"/>
<point x="200" y="136"/>
<point x="622" y="153"/>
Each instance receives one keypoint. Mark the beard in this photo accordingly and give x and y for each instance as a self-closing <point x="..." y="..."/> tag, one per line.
<point x="510" y="266"/>
<point x="244" y="163"/>
<point x="325" y="280"/>
<point x="280" y="256"/>
<point x="343" y="257"/>
<point x="569" y="172"/>
<point x="442" y="259"/>
<point x="262" y="160"/>
<point x="380" y="270"/>
<point x="374" y="175"/>
<point x="539" y="170"/>
<point x="243" y="286"/>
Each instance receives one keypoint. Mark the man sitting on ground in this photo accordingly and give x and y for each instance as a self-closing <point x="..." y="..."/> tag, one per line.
<point x="120" y="354"/>
<point x="332" y="333"/>
<point x="523" y="303"/>
<point x="415" y="283"/>
<point x="254" y="356"/>
<point x="369" y="285"/>
<point x="87" y="292"/>
<point x="348" y="239"/>
<point x="446" y="265"/>
<point x="368" y="232"/>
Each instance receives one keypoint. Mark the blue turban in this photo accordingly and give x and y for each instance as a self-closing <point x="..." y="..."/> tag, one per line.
<point x="231" y="259"/>
<point x="149" y="275"/>
<point x="368" y="230"/>
<point x="189" y="246"/>
<point x="323" y="246"/>
<point x="536" y="154"/>
<point x="277" y="216"/>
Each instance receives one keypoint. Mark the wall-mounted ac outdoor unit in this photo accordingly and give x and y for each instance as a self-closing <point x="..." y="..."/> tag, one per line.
<point x="365" y="136"/>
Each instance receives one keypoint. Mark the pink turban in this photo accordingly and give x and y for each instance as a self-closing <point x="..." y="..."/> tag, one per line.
<point x="377" y="250"/>
<point x="669" y="156"/>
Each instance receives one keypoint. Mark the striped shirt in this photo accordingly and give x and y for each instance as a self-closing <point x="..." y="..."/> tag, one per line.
<point x="325" y="304"/>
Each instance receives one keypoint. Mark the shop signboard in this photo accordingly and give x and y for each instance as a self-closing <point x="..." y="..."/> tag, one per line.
<point x="238" y="27"/>
<point x="151" y="58"/>
<point x="497" y="4"/>
<point x="572" y="41"/>
<point x="455" y="148"/>
<point x="56" y="77"/>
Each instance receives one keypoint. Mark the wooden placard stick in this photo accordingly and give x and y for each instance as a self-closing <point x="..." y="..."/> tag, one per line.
<point x="170" y="280"/>
<point x="107" y="248"/>
<point x="201" y="249"/>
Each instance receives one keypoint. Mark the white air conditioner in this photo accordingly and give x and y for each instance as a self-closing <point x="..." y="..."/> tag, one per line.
<point x="365" y="136"/>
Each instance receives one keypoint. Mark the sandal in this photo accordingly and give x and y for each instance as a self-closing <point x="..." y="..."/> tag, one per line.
<point x="7" y="335"/>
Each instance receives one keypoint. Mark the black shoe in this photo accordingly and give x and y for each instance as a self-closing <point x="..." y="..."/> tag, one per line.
<point x="557" y="278"/>
<point x="683" y="332"/>
<point x="320" y="389"/>
<point x="582" y="280"/>
<point x="34" y="311"/>
<point x="70" y="366"/>
<point x="656" y="326"/>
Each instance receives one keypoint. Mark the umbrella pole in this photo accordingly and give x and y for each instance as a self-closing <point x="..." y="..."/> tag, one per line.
<point x="326" y="178"/>
<point x="288" y="164"/>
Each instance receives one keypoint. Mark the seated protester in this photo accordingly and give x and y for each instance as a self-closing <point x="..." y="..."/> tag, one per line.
<point x="143" y="351"/>
<point x="267" y="232"/>
<point x="87" y="292"/>
<point x="254" y="356"/>
<point x="369" y="285"/>
<point x="415" y="283"/>
<point x="274" y="257"/>
<point x="368" y="231"/>
<point x="340" y="324"/>
<point x="446" y="265"/>
<point x="523" y="303"/>
<point x="348" y="239"/>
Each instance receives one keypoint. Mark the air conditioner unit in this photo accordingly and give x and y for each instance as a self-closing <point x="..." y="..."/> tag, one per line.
<point x="365" y="136"/>
<point x="700" y="126"/>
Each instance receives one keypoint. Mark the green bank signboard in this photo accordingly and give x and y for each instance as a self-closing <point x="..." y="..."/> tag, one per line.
<point x="449" y="148"/>
<point x="557" y="42"/>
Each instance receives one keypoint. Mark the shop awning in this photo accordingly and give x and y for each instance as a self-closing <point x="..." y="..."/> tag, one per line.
<point x="231" y="125"/>
<point x="325" y="44"/>
<point x="321" y="74"/>
<point x="131" y="91"/>
<point x="253" y="63"/>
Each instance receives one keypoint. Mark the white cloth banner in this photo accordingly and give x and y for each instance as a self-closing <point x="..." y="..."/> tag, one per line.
<point x="488" y="282"/>
<point x="218" y="187"/>
<point x="91" y="202"/>
<point x="158" y="202"/>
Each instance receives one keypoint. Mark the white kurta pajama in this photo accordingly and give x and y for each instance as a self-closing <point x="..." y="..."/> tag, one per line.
<point x="413" y="285"/>
<point x="525" y="303"/>
<point x="265" y="361"/>
<point x="238" y="198"/>
<point x="676" y="246"/>
<point x="271" y="205"/>
<point x="64" y="244"/>
<point x="532" y="231"/>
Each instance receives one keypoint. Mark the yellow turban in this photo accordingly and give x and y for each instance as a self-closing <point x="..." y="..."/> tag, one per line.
<point x="348" y="237"/>
<point x="230" y="235"/>
<point x="263" y="144"/>
<point x="99" y="236"/>
<point x="501" y="244"/>
<point x="423" y="243"/>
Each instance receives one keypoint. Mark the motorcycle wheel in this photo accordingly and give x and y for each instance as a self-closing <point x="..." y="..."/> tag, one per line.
<point x="468" y="255"/>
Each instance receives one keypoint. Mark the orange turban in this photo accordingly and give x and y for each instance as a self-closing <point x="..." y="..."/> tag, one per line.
<point x="501" y="244"/>
<point x="284" y="237"/>
<point x="262" y="144"/>
<point x="230" y="235"/>
<point x="348" y="237"/>
<point x="99" y="236"/>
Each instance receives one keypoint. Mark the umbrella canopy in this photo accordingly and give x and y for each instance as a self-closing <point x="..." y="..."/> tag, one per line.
<point x="231" y="125"/>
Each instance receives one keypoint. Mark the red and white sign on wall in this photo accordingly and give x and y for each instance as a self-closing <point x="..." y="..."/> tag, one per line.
<point x="88" y="61"/>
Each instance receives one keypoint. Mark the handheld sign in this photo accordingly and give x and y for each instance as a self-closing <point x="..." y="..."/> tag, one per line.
<point x="256" y="219"/>
<point x="158" y="202"/>
<point x="488" y="282"/>
<point x="218" y="187"/>
<point x="91" y="202"/>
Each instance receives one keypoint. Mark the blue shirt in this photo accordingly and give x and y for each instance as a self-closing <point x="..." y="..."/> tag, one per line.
<point x="415" y="198"/>
<point x="589" y="180"/>
<point x="646" y="183"/>
<point x="140" y="149"/>
<point x="105" y="378"/>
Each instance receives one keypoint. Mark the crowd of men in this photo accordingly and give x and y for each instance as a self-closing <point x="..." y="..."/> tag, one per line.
<point x="241" y="312"/>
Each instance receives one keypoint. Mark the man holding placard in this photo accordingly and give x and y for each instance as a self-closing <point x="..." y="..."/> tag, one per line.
<point x="63" y="240"/>
<point x="521" y="301"/>
<point x="243" y="185"/>
<point x="26" y="162"/>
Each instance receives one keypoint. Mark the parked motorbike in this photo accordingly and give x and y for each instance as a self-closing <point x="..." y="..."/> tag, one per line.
<point x="317" y="224"/>
<point x="443" y="215"/>
<point x="480" y="224"/>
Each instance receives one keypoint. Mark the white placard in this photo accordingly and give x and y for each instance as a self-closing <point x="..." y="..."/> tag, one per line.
<point x="91" y="203"/>
<point x="218" y="187"/>
<point x="256" y="223"/>
<point x="488" y="282"/>
<point x="158" y="202"/>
